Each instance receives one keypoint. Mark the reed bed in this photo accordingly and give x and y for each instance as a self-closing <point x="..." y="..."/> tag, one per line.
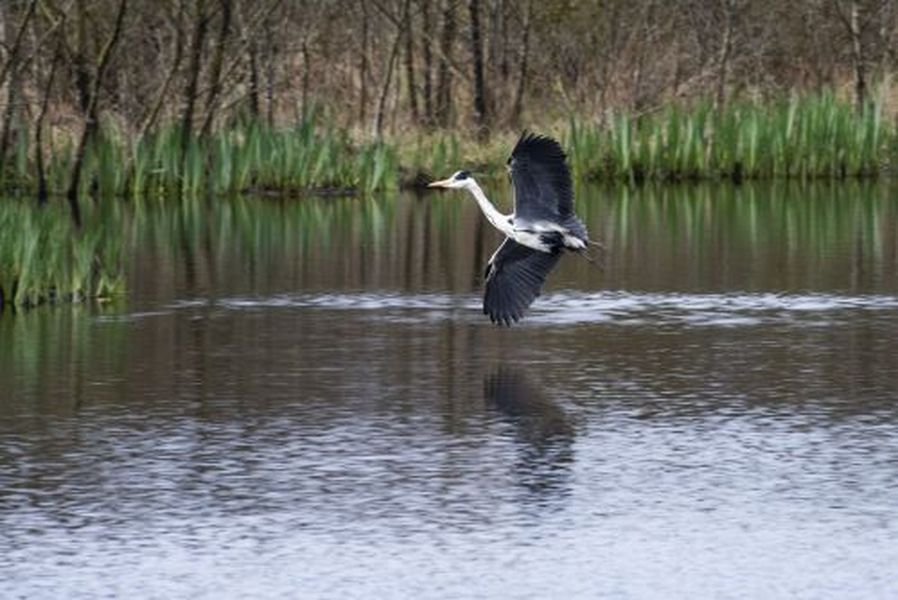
<point x="805" y="138"/>
<point x="248" y="158"/>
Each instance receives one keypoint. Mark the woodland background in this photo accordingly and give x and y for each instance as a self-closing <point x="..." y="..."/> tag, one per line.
<point x="382" y="66"/>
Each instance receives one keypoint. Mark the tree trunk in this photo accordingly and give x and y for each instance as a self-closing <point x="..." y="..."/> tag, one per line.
<point x="90" y="118"/>
<point x="13" y="50"/>
<point x="270" y="72"/>
<point x="480" y="115"/>
<point x="637" y="101"/>
<point x="215" y="69"/>
<point x="39" y="123"/>
<point x="82" y="76"/>
<point x="12" y="68"/>
<point x="193" y="76"/>
<point x="9" y="111"/>
<point x="444" y="76"/>
<point x="852" y="24"/>
<point x="886" y="33"/>
<point x="363" y="64"/>
<point x="410" y="63"/>
<point x="388" y="75"/>
<point x="726" y="47"/>
<point x="857" y="55"/>
<point x="522" y="67"/>
<point x="306" y="77"/>
<point x="162" y="96"/>
<point x="503" y="39"/>
<point x="427" y="26"/>
<point x="254" y="79"/>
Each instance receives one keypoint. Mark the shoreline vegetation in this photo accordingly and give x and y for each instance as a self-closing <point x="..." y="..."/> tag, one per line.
<point x="47" y="256"/>
<point x="131" y="98"/>
<point x="813" y="137"/>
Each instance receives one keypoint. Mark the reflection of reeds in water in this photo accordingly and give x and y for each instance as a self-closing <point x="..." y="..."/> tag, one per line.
<point x="756" y="236"/>
<point x="780" y="236"/>
<point x="44" y="258"/>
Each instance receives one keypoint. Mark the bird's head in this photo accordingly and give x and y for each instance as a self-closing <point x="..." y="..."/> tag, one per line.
<point x="459" y="179"/>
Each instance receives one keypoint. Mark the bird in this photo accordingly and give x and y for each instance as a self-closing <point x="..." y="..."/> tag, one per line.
<point x="542" y="227"/>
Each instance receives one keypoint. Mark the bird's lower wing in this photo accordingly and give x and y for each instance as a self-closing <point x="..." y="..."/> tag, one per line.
<point x="513" y="280"/>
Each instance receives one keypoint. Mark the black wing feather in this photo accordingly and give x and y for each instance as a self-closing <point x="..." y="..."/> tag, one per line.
<point x="513" y="280"/>
<point x="541" y="179"/>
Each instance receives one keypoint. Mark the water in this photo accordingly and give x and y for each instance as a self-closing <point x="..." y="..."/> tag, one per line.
<point x="304" y="400"/>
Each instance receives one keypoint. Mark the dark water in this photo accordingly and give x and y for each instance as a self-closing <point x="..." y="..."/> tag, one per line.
<point x="303" y="400"/>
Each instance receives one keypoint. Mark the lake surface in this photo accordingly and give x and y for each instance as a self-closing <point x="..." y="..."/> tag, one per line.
<point x="303" y="399"/>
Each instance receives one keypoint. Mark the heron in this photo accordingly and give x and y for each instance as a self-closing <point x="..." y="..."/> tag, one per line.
<point x="542" y="227"/>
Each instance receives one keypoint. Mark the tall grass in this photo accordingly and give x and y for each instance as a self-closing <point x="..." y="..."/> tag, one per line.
<point x="251" y="157"/>
<point x="812" y="137"/>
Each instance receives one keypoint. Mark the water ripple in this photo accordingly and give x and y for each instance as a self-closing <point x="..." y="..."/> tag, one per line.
<point x="571" y="307"/>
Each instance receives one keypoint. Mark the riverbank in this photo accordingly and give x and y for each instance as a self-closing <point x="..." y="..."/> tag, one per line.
<point x="815" y="137"/>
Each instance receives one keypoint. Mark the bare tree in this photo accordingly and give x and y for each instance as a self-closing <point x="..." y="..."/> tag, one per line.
<point x="444" y="77"/>
<point x="39" y="122"/>
<point x="162" y="95"/>
<point x="363" y="63"/>
<point x="377" y="130"/>
<point x="480" y="115"/>
<point x="215" y="67"/>
<point x="726" y="48"/>
<point x="90" y="122"/>
<point x="410" y="63"/>
<point x="852" y="22"/>
<point x="518" y="106"/>
<point x="12" y="51"/>
<point x="427" y="26"/>
<point x="201" y="25"/>
<point x="13" y="68"/>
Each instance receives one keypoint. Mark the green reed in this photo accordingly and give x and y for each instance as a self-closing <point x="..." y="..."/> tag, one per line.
<point x="254" y="158"/>
<point x="811" y="137"/>
<point x="251" y="157"/>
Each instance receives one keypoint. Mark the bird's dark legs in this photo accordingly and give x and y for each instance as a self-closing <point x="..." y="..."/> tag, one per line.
<point x="596" y="261"/>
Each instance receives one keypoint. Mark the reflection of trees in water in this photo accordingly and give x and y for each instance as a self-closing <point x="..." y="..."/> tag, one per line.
<point x="543" y="433"/>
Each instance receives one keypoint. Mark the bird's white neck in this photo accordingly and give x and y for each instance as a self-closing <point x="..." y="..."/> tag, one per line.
<point x="499" y="221"/>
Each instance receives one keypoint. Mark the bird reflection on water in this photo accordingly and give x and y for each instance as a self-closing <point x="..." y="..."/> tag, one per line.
<point x="542" y="430"/>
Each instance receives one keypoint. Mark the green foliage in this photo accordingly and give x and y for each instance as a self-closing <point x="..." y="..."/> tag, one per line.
<point x="812" y="137"/>
<point x="247" y="157"/>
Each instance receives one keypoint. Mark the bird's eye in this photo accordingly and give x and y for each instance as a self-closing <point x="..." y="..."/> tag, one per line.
<point x="462" y="175"/>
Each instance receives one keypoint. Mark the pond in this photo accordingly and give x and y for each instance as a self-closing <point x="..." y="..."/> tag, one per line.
<point x="303" y="399"/>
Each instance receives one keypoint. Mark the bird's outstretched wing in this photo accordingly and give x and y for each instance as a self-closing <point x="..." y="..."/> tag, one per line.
<point x="541" y="179"/>
<point x="514" y="277"/>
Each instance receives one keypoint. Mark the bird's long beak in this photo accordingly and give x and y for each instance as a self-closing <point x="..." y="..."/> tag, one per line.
<point x="443" y="183"/>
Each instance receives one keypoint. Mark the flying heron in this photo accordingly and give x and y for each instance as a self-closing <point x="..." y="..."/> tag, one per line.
<point x="542" y="226"/>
